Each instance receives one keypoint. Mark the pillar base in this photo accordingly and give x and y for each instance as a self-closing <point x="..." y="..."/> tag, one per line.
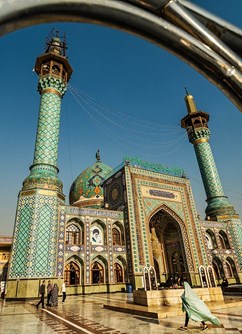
<point x="218" y="206"/>
<point x="22" y="289"/>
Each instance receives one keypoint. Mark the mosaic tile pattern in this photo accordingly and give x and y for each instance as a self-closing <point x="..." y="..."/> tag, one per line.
<point x="235" y="229"/>
<point x="61" y="243"/>
<point x="211" y="180"/>
<point x="20" y="253"/>
<point x="46" y="146"/>
<point x="88" y="183"/>
<point x="34" y="250"/>
<point x="36" y="229"/>
<point x="218" y="203"/>
<point x="143" y="208"/>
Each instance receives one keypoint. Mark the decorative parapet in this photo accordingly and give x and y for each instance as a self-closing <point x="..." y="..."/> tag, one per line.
<point x="154" y="167"/>
<point x="56" y="83"/>
<point x="198" y="134"/>
<point x="70" y="210"/>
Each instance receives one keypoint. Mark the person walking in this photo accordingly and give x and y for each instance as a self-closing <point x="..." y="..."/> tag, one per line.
<point x="42" y="295"/>
<point x="49" y="289"/>
<point x="63" y="289"/>
<point x="195" y="309"/>
<point x="54" y="295"/>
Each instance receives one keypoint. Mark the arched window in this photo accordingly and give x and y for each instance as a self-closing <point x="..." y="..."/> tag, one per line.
<point x="233" y="268"/>
<point x="73" y="235"/>
<point x="218" y="268"/>
<point x="118" y="273"/>
<point x="116" y="237"/>
<point x="210" y="239"/>
<point x="224" y="240"/>
<point x="97" y="273"/>
<point x="221" y="239"/>
<point x="55" y="69"/>
<point x="228" y="270"/>
<point x="45" y="68"/>
<point x="72" y="274"/>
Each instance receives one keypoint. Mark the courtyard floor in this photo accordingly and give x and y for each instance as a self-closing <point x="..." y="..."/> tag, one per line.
<point x="86" y="314"/>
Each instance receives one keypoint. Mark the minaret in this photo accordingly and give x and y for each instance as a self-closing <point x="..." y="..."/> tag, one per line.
<point x="34" y="253"/>
<point x="196" y="124"/>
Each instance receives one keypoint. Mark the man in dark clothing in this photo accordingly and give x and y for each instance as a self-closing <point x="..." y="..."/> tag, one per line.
<point x="42" y="295"/>
<point x="49" y="289"/>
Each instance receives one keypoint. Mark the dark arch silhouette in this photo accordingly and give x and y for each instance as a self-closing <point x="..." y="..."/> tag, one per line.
<point x="171" y="25"/>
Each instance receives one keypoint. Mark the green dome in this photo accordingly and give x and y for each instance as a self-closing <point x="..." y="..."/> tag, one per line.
<point x="88" y="183"/>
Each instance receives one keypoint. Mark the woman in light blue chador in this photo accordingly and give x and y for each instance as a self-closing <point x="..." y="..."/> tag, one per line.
<point x="195" y="309"/>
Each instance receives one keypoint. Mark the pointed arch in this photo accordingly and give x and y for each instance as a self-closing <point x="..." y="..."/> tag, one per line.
<point x="183" y="230"/>
<point x="74" y="270"/>
<point x="230" y="262"/>
<point x="74" y="232"/>
<point x="118" y="273"/>
<point x="210" y="239"/>
<point x="99" y="271"/>
<point x="118" y="237"/>
<point x="224" y="239"/>
<point x="123" y="263"/>
<point x="218" y="267"/>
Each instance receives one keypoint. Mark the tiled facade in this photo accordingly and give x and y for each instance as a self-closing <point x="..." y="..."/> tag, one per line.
<point x="119" y="221"/>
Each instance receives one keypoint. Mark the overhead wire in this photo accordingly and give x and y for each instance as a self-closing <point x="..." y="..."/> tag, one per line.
<point x="93" y="111"/>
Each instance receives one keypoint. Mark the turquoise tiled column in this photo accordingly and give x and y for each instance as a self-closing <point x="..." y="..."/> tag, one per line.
<point x="44" y="168"/>
<point x="218" y="203"/>
<point x="196" y="123"/>
<point x="35" y="243"/>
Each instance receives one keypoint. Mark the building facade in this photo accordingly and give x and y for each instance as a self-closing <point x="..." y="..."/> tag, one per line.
<point x="119" y="221"/>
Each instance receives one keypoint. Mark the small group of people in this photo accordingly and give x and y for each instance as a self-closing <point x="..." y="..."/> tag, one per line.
<point x="170" y="283"/>
<point x="52" y="294"/>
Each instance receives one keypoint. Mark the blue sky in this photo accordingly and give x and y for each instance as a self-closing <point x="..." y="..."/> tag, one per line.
<point x="129" y="101"/>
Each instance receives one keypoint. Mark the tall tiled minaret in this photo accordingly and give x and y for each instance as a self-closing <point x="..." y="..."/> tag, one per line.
<point x="36" y="227"/>
<point x="196" y="124"/>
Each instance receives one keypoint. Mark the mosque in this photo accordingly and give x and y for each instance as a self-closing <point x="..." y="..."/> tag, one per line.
<point x="118" y="221"/>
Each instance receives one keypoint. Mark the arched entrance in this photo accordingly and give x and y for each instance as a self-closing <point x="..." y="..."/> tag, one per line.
<point x="218" y="268"/>
<point x="167" y="247"/>
<point x="72" y="273"/>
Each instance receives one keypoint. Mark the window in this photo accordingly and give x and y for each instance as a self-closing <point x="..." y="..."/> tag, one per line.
<point x="118" y="273"/>
<point x="209" y="241"/>
<point x="228" y="270"/>
<point x="116" y="237"/>
<point x="73" y="235"/>
<point x="224" y="240"/>
<point x="72" y="274"/>
<point x="55" y="69"/>
<point x="97" y="273"/>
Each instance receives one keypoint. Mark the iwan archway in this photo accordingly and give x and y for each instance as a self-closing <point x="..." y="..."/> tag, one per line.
<point x="178" y="26"/>
<point x="168" y="248"/>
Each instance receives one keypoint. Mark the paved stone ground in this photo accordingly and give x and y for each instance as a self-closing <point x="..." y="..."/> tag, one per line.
<point x="86" y="315"/>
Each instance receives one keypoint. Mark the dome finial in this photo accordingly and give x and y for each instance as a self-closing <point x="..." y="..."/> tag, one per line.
<point x="98" y="158"/>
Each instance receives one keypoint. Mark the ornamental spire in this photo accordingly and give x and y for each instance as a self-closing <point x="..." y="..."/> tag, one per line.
<point x="98" y="158"/>
<point x="191" y="106"/>
<point x="196" y="124"/>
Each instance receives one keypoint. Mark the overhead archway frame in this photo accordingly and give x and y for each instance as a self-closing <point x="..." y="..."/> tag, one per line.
<point x="207" y="43"/>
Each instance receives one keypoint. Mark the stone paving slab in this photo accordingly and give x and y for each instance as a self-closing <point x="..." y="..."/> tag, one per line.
<point x="86" y="315"/>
